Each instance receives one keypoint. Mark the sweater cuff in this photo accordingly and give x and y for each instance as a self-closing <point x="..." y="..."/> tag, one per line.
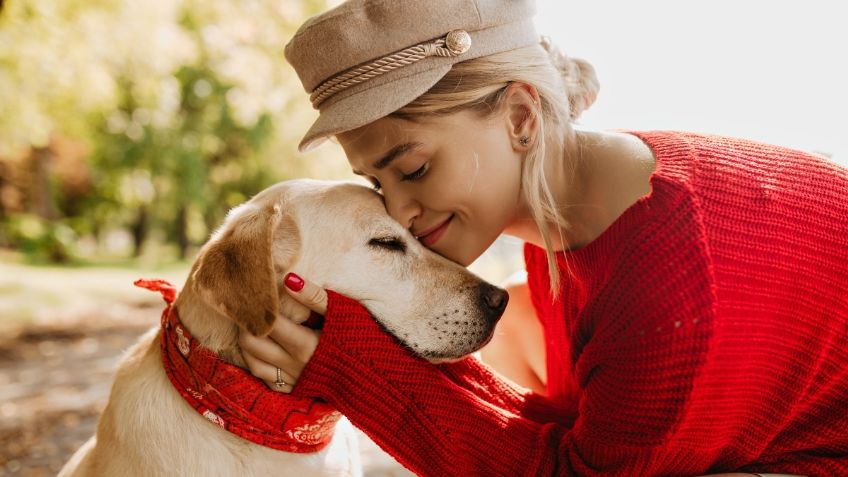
<point x="351" y="336"/>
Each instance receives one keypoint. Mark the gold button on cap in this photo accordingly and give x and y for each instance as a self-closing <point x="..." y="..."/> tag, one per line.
<point x="458" y="41"/>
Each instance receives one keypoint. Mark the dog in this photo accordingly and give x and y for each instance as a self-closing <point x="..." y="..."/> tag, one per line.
<point x="336" y="234"/>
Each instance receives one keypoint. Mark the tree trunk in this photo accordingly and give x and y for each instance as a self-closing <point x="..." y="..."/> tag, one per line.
<point x="41" y="192"/>
<point x="139" y="230"/>
<point x="182" y="231"/>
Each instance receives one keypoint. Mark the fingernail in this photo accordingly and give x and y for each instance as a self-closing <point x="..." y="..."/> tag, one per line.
<point x="294" y="282"/>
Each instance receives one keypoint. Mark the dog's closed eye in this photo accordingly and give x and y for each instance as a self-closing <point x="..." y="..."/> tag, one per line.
<point x="389" y="243"/>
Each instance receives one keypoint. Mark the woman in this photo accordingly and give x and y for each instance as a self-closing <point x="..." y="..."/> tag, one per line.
<point x="691" y="288"/>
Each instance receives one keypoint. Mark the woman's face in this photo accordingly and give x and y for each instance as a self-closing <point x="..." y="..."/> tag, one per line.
<point x="454" y="180"/>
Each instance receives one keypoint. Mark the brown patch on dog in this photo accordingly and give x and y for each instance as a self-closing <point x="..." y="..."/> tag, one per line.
<point x="235" y="272"/>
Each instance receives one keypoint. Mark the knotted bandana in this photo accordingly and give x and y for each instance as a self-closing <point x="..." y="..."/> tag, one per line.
<point x="233" y="398"/>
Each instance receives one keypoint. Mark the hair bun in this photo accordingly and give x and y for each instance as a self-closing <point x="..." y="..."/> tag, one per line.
<point x="581" y="83"/>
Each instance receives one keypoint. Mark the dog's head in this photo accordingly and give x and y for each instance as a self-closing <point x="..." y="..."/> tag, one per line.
<point x="339" y="236"/>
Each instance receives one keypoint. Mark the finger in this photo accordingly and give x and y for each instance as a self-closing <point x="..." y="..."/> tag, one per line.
<point x="267" y="350"/>
<point x="309" y="294"/>
<point x="298" y="341"/>
<point x="268" y="373"/>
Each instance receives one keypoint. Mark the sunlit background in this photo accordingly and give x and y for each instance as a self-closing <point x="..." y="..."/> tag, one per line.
<point x="129" y="128"/>
<point x="772" y="71"/>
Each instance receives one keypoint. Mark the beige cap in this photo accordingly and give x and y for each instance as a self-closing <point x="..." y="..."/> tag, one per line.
<point x="366" y="59"/>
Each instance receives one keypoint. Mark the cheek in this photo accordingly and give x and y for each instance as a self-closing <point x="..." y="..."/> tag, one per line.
<point x="485" y="172"/>
<point x="489" y="198"/>
<point x="496" y="187"/>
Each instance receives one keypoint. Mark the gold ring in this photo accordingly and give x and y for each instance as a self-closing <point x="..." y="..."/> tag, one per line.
<point x="279" y="382"/>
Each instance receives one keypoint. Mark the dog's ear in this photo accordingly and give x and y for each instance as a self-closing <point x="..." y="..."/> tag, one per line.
<point x="236" y="272"/>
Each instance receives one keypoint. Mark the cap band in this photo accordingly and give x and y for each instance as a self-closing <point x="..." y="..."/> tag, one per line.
<point x="455" y="43"/>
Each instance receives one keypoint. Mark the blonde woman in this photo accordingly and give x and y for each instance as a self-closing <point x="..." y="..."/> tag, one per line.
<point x="690" y="291"/>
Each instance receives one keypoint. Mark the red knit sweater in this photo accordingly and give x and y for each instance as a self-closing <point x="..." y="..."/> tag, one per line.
<point x="705" y="330"/>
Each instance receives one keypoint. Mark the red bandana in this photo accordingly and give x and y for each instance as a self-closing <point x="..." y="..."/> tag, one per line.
<point x="233" y="398"/>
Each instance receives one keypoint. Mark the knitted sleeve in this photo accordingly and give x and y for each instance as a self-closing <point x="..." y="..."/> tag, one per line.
<point x="436" y="423"/>
<point x="428" y="417"/>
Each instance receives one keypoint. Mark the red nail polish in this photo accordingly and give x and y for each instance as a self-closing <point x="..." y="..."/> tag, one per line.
<point x="294" y="282"/>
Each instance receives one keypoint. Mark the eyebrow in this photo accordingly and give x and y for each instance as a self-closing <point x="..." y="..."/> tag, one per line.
<point x="394" y="153"/>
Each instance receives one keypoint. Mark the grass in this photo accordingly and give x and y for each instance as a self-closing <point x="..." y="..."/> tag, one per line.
<point x="38" y="292"/>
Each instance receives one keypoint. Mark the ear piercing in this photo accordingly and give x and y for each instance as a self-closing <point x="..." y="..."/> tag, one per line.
<point x="524" y="141"/>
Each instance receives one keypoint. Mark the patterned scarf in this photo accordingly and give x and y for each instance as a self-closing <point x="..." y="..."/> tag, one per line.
<point x="231" y="397"/>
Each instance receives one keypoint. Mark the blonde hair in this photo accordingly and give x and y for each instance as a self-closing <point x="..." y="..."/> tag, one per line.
<point x="566" y="87"/>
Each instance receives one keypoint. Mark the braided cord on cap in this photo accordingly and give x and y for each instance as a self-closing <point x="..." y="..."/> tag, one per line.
<point x="454" y="43"/>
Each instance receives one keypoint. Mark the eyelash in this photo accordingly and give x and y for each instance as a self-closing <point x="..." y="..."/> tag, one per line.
<point x="418" y="174"/>
<point x="412" y="177"/>
<point x="389" y="243"/>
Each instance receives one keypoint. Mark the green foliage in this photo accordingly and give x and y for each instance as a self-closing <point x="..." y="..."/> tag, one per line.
<point x="40" y="241"/>
<point x="185" y="106"/>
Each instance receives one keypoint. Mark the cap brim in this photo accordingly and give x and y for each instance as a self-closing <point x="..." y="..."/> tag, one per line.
<point x="349" y="112"/>
<point x="386" y="93"/>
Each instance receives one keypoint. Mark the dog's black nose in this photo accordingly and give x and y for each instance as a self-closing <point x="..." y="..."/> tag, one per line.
<point x="494" y="301"/>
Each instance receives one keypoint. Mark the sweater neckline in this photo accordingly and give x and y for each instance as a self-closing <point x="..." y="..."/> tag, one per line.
<point x="668" y="148"/>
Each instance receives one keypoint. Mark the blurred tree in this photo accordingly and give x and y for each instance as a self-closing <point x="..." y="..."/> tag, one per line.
<point x="186" y="107"/>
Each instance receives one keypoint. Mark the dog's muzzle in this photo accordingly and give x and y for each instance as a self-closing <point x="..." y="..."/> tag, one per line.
<point x="493" y="301"/>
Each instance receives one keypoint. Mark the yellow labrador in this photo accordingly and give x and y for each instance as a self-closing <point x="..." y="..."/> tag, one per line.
<point x="337" y="235"/>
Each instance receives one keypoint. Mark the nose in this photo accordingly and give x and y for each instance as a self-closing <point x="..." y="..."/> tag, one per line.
<point x="401" y="206"/>
<point x="492" y="301"/>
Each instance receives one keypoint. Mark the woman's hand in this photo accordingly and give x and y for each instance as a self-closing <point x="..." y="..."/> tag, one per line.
<point x="279" y="358"/>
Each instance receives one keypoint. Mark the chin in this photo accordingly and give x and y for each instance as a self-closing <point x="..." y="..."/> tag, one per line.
<point x="455" y="256"/>
<point x="465" y="257"/>
<point x="443" y="360"/>
<point x="463" y="252"/>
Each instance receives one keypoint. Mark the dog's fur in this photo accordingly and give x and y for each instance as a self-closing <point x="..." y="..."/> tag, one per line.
<point x="334" y="234"/>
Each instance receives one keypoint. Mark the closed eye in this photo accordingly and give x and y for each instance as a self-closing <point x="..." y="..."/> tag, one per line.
<point x="417" y="174"/>
<point x="411" y="177"/>
<point x="389" y="243"/>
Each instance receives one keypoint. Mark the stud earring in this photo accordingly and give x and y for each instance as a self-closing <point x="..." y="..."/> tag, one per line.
<point x="524" y="141"/>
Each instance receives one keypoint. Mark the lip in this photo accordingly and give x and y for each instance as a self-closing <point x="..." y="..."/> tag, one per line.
<point x="431" y="236"/>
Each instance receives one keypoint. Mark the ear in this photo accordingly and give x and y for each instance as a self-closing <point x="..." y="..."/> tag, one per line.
<point x="235" y="272"/>
<point x="522" y="109"/>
